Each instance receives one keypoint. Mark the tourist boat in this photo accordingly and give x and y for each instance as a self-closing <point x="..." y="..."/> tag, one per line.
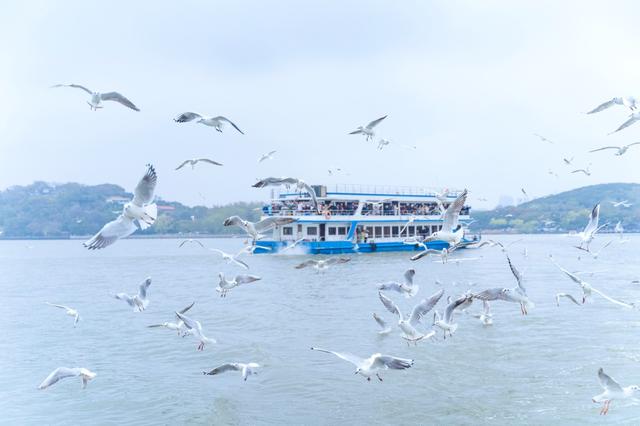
<point x="358" y="218"/>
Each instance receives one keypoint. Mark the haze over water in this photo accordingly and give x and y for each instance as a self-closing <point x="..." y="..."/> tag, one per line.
<point x="535" y="369"/>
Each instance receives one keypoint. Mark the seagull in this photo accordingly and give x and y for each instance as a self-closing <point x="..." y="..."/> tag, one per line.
<point x="612" y="390"/>
<point x="525" y="193"/>
<point x="178" y="325"/>
<point x="597" y="253"/>
<point x="225" y="285"/>
<point x="411" y="220"/>
<point x="620" y="149"/>
<point x="587" y="289"/>
<point x="407" y="287"/>
<point x="633" y="117"/>
<point x="96" y="98"/>
<point x="232" y="258"/>
<point x="191" y="240"/>
<point x="268" y="156"/>
<point x="69" y="311"/>
<point x="624" y="203"/>
<point x="517" y="294"/>
<point x="253" y="229"/>
<point x="592" y="228"/>
<point x="292" y="245"/>
<point x="446" y="323"/>
<point x="382" y="323"/>
<point x="215" y="122"/>
<point x="408" y="325"/>
<point x="382" y="143"/>
<point x="139" y="302"/>
<point x="486" y="318"/>
<point x="196" y="161"/>
<point x="368" y="367"/>
<point x="64" y="372"/>
<point x="568" y="296"/>
<point x="322" y="265"/>
<point x="368" y="129"/>
<point x="245" y="369"/>
<point x="628" y="101"/>
<point x="300" y="184"/>
<point x="428" y="251"/>
<point x="620" y="231"/>
<point x="568" y="161"/>
<point x="451" y="231"/>
<point x="196" y="329"/>
<point x="542" y="138"/>
<point x="141" y="209"/>
<point x="586" y="171"/>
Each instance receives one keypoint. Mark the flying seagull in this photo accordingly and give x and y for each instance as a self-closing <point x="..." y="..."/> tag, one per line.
<point x="586" y="171"/>
<point x="407" y="287"/>
<point x="368" y="367"/>
<point x="612" y="390"/>
<point x="138" y="302"/>
<point x="196" y="329"/>
<point x="486" y="318"/>
<point x="195" y="161"/>
<point x="385" y="329"/>
<point x="568" y="161"/>
<point x="628" y="101"/>
<point x="322" y="265"/>
<point x="245" y="369"/>
<point x="287" y="181"/>
<point x="225" y="285"/>
<point x="446" y="322"/>
<point x="620" y="150"/>
<point x="96" y="98"/>
<point x="177" y="326"/>
<point x="568" y="296"/>
<point x="408" y="325"/>
<point x="633" y="117"/>
<point x="254" y="229"/>
<point x="192" y="241"/>
<point x="368" y="129"/>
<point x="232" y="258"/>
<point x="141" y="209"/>
<point x="64" y="372"/>
<point x="69" y="311"/>
<point x="623" y="203"/>
<point x="542" y="138"/>
<point x="451" y="231"/>
<point x="516" y="294"/>
<point x="592" y="228"/>
<point x="215" y="122"/>
<point x="267" y="156"/>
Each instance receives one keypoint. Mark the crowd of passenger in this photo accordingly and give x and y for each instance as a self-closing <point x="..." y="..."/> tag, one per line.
<point x="348" y="208"/>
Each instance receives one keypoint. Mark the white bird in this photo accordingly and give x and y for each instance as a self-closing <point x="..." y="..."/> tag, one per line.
<point x="633" y="117"/>
<point x="568" y="296"/>
<point x="408" y="325"/>
<point x="176" y="326"/>
<point x="191" y="241"/>
<point x="267" y="156"/>
<point x="411" y="220"/>
<point x="138" y="302"/>
<point x="141" y="209"/>
<point x="485" y="317"/>
<point x="588" y="289"/>
<point x="196" y="329"/>
<point x="254" y="229"/>
<point x="623" y="203"/>
<point x="620" y="150"/>
<point x="245" y="369"/>
<point x="451" y="232"/>
<point x="612" y="390"/>
<point x="407" y="287"/>
<point x="368" y="129"/>
<point x="225" y="285"/>
<point x="517" y="294"/>
<point x="619" y="229"/>
<point x="96" y="98"/>
<point x="232" y="258"/>
<point x="64" y="372"/>
<point x="586" y="171"/>
<point x="427" y="251"/>
<point x="195" y="161"/>
<point x="525" y="193"/>
<point x="292" y="245"/>
<point x="597" y="253"/>
<point x="542" y="138"/>
<point x="446" y="323"/>
<point x="592" y="228"/>
<point x="628" y="101"/>
<point x="322" y="265"/>
<point x="368" y="367"/>
<point x="69" y="311"/>
<point x="385" y="329"/>
<point x="215" y="122"/>
<point x="287" y="181"/>
<point x="568" y="161"/>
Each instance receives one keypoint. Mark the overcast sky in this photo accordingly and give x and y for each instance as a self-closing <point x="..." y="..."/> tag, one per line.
<point x="467" y="82"/>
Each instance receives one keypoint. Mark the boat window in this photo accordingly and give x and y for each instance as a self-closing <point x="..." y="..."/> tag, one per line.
<point x="312" y="230"/>
<point x="378" y="231"/>
<point x="369" y="230"/>
<point x="434" y="228"/>
<point x="412" y="231"/>
<point x="342" y="230"/>
<point x="395" y="231"/>
<point x="387" y="231"/>
<point x="332" y="231"/>
<point x="287" y="230"/>
<point x="299" y="228"/>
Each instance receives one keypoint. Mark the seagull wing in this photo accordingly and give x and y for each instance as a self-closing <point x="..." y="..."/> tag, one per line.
<point x="392" y="362"/>
<point x="142" y="291"/>
<point x="421" y="309"/>
<point x="631" y="144"/>
<point x="336" y="260"/>
<point x="423" y="253"/>
<point x="143" y="193"/>
<point x="207" y="160"/>
<point x="224" y="368"/>
<point x="607" y="382"/>
<point x="187" y="116"/>
<point x="58" y="306"/>
<point x="306" y="263"/>
<point x="221" y="118"/>
<point x="57" y="375"/>
<point x="496" y="293"/>
<point x="184" y="163"/>
<point x="388" y="303"/>
<point x="605" y="147"/>
<point x="115" y="96"/>
<point x="184" y="310"/>
<point x="355" y="360"/>
<point x="245" y="279"/>
<point x="189" y="323"/>
<point x="593" y="220"/>
<point x="272" y="221"/>
<point x="568" y="296"/>
<point x="75" y="86"/>
<point x="312" y="194"/>
<point x="603" y="106"/>
<point x="122" y="227"/>
<point x="517" y="275"/>
<point x="382" y="323"/>
<point x="274" y="181"/>
<point x="374" y="123"/>
<point x="235" y="221"/>
<point x="627" y="123"/>
<point x="573" y="277"/>
<point x="451" y="215"/>
<point x="448" y="312"/>
<point x="612" y="300"/>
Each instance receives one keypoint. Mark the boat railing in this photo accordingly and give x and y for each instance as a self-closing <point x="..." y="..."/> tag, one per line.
<point x="270" y="211"/>
<point x="391" y="190"/>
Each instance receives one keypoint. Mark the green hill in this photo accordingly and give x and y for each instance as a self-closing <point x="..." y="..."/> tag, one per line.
<point x="566" y="211"/>
<point x="46" y="210"/>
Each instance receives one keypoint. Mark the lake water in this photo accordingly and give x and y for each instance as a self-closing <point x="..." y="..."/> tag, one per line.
<point x="535" y="369"/>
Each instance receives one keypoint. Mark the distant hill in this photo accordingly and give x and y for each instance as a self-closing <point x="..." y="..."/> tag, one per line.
<point x="565" y="211"/>
<point x="47" y="210"/>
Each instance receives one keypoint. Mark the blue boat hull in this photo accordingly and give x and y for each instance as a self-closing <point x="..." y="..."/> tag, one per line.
<point x="341" y="247"/>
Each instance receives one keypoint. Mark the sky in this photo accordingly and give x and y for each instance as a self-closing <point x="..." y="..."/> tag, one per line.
<point x="466" y="82"/>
